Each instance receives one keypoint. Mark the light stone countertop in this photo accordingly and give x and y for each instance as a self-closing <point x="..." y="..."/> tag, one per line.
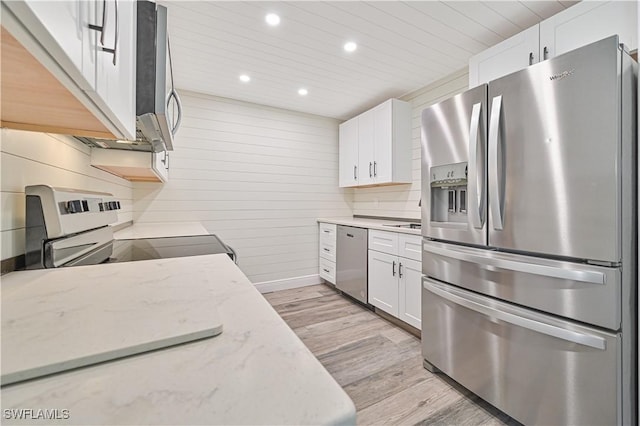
<point x="256" y="372"/>
<point x="372" y="224"/>
<point x="163" y="229"/>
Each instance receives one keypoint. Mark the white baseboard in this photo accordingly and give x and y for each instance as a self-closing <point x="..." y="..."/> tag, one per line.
<point x="288" y="283"/>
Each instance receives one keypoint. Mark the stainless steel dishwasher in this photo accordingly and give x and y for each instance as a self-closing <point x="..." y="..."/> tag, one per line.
<point x="351" y="262"/>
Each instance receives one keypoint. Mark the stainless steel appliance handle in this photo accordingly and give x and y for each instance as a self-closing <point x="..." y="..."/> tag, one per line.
<point x="591" y="277"/>
<point x="495" y="164"/>
<point x="476" y="196"/>
<point x="173" y="94"/>
<point x="530" y="324"/>
<point x="176" y="125"/>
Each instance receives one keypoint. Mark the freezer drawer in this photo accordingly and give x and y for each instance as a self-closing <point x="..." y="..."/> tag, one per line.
<point x="586" y="293"/>
<point x="537" y="369"/>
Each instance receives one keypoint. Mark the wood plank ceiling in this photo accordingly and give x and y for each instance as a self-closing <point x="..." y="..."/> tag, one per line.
<point x="402" y="46"/>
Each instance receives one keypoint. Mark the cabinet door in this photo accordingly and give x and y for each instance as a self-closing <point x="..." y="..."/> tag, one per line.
<point x="410" y="291"/>
<point x="160" y="165"/>
<point x="348" y="153"/>
<point x="366" y="150"/>
<point x="62" y="27"/>
<point x="115" y="82"/>
<point x="587" y="22"/>
<point x="511" y="55"/>
<point x="383" y="142"/>
<point x="383" y="282"/>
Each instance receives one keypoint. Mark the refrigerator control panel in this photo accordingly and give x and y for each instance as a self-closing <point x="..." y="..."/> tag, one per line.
<point x="449" y="175"/>
<point x="449" y="193"/>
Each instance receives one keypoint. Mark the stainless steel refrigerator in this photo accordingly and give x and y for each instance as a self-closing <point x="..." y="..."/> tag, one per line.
<point x="529" y="249"/>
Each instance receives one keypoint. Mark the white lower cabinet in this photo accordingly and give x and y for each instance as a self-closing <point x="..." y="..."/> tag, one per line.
<point x="383" y="282"/>
<point x="394" y="281"/>
<point x="327" y="251"/>
<point x="409" y="291"/>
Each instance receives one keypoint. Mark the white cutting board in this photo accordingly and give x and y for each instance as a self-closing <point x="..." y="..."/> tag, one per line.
<point x="57" y="320"/>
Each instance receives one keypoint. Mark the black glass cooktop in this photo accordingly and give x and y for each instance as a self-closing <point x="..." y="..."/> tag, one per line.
<point x="166" y="247"/>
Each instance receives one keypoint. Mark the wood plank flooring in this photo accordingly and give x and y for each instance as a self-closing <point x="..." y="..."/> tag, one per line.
<point x="377" y="363"/>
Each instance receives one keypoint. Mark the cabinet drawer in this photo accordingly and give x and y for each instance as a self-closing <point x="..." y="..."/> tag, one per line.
<point x="410" y="246"/>
<point x="328" y="232"/>
<point x="327" y="270"/>
<point x="383" y="241"/>
<point x="522" y="350"/>
<point x="328" y="251"/>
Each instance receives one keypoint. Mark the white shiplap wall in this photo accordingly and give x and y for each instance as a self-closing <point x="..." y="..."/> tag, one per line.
<point x="256" y="176"/>
<point x="29" y="158"/>
<point x="402" y="200"/>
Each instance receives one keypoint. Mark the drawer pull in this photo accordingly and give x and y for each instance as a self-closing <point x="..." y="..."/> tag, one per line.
<point x="326" y="270"/>
<point x="327" y="231"/>
<point x="326" y="249"/>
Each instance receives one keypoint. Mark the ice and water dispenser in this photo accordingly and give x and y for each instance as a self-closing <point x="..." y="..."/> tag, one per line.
<point x="449" y="193"/>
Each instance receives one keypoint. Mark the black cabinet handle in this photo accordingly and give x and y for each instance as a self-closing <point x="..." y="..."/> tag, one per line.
<point x="400" y="270"/>
<point x="393" y="271"/>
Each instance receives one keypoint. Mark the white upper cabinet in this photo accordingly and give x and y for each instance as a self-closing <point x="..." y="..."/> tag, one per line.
<point x="64" y="27"/>
<point x="587" y="22"/>
<point x="348" y="158"/>
<point x="509" y="56"/>
<point x="90" y="57"/>
<point x="366" y="147"/>
<point x="383" y="149"/>
<point x="115" y="90"/>
<point x="136" y="166"/>
<point x="577" y="26"/>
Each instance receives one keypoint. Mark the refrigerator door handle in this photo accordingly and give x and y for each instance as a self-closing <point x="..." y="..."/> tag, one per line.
<point x="496" y="167"/>
<point x="591" y="277"/>
<point x="476" y="180"/>
<point x="584" y="339"/>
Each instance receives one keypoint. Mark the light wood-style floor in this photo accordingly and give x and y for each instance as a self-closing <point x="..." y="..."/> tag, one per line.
<point x="377" y="363"/>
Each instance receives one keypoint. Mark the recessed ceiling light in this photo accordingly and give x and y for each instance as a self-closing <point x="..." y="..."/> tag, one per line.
<point x="350" y="46"/>
<point x="303" y="92"/>
<point x="244" y="78"/>
<point x="272" y="19"/>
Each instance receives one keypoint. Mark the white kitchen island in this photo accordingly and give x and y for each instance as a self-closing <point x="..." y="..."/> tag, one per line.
<point x="256" y="372"/>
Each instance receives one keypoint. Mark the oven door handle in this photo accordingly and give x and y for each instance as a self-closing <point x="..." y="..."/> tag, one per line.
<point x="590" y="340"/>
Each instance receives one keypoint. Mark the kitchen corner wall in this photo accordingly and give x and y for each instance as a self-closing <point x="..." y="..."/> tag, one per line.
<point x="29" y="158"/>
<point x="256" y="176"/>
<point x="402" y="200"/>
